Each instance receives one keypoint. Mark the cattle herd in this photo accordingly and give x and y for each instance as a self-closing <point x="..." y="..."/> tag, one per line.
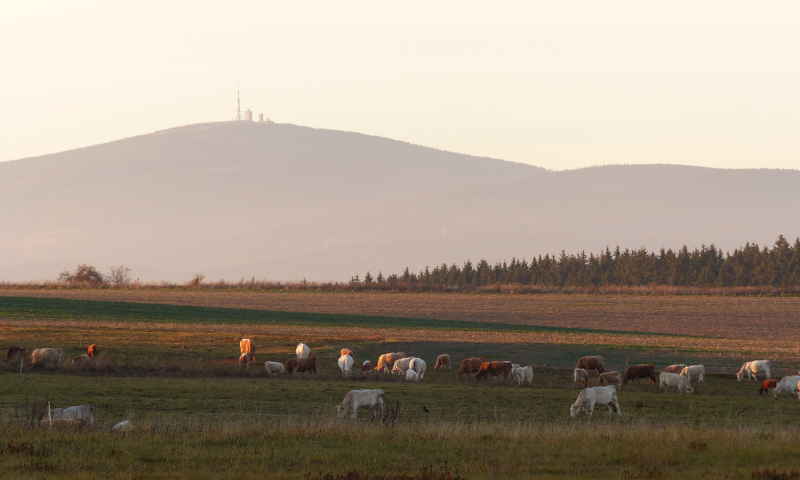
<point x="599" y="386"/>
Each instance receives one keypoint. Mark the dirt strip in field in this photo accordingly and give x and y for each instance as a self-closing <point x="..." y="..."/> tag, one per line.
<point x="746" y="318"/>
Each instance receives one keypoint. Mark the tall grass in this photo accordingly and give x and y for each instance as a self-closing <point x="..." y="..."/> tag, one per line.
<point x="295" y="448"/>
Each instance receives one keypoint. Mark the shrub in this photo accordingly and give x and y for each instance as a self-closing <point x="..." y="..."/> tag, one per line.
<point x="84" y="275"/>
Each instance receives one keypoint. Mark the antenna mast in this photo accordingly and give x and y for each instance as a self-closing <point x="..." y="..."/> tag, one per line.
<point x="238" y="106"/>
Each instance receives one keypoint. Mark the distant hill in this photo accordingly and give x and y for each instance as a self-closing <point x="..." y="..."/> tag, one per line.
<point x="285" y="202"/>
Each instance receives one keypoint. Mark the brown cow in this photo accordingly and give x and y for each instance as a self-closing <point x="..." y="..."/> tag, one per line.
<point x="470" y="365"/>
<point x="386" y="361"/>
<point x="767" y="385"/>
<point x="675" y="368"/>
<point x="586" y="378"/>
<point x="442" y="361"/>
<point x="301" y="365"/>
<point x="91" y="350"/>
<point x="494" y="368"/>
<point x="15" y="354"/>
<point x="610" y="378"/>
<point x="644" y="370"/>
<point x="592" y="362"/>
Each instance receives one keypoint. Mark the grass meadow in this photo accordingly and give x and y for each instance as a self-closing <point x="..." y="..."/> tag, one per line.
<point x="171" y="370"/>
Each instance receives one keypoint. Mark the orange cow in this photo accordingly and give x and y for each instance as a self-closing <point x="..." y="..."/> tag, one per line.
<point x="494" y="368"/>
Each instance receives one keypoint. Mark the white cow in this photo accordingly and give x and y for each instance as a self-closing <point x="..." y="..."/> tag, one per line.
<point x="83" y="414"/>
<point x="123" y="426"/>
<point x="522" y="374"/>
<point x="47" y="357"/>
<point x="400" y="366"/>
<point x="786" y="384"/>
<point x="302" y="351"/>
<point x="345" y="365"/>
<point x="589" y="397"/>
<point x="752" y="368"/>
<point x="355" y="399"/>
<point x="696" y="373"/>
<point x="418" y="365"/>
<point x="674" y="380"/>
<point x="411" y="376"/>
<point x="274" y="368"/>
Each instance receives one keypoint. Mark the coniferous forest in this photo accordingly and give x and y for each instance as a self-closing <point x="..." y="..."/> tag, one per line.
<point x="748" y="266"/>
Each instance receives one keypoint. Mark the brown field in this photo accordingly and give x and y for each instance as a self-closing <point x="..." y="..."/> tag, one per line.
<point x="720" y="326"/>
<point x="712" y="316"/>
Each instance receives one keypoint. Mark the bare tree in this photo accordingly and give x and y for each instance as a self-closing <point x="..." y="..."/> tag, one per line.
<point x="119" y="276"/>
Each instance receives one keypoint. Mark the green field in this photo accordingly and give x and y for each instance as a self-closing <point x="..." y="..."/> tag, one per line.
<point x="171" y="371"/>
<point x="21" y="308"/>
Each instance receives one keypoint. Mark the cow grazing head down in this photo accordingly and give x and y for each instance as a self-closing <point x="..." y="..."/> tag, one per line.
<point x="470" y="365"/>
<point x="645" y="370"/>
<point x="591" y="362"/>
<point x="767" y="385"/>
<point x="14" y="353"/>
<point x="301" y="365"/>
<point x="494" y="368"/>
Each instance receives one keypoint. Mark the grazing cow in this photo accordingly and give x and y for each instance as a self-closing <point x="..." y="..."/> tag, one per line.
<point x="92" y="350"/>
<point x="345" y="363"/>
<point x="81" y="414"/>
<point x="346" y="351"/>
<point x="305" y="365"/>
<point x="522" y="374"/>
<point x="247" y="352"/>
<point x="752" y="368"/>
<point x="419" y="367"/>
<point x="82" y="360"/>
<point x="246" y="346"/>
<point x="355" y="399"/>
<point x="470" y="365"/>
<point x="386" y="361"/>
<point x="401" y="365"/>
<point x="47" y="357"/>
<point x="586" y="378"/>
<point x="495" y="368"/>
<point x="675" y="368"/>
<point x="589" y="397"/>
<point x="644" y="370"/>
<point x="442" y="361"/>
<point x="15" y="354"/>
<point x="366" y="366"/>
<point x="591" y="362"/>
<point x="696" y="373"/>
<point x="274" y="368"/>
<point x="123" y="426"/>
<point x="302" y="351"/>
<point x="246" y="359"/>
<point x="611" y="377"/>
<point x="767" y="385"/>
<point x="786" y="384"/>
<point x="673" y="380"/>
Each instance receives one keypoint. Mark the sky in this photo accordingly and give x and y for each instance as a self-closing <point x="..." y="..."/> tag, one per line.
<point x="560" y="85"/>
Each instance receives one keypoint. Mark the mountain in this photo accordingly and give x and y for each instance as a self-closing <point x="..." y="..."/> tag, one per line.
<point x="286" y="202"/>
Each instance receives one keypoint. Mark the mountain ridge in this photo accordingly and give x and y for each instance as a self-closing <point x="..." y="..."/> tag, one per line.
<point x="287" y="202"/>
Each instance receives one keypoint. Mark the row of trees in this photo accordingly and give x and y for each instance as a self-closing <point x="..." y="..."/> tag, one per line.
<point x="708" y="266"/>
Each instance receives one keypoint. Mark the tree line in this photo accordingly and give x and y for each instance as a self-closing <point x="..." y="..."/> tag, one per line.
<point x="707" y="266"/>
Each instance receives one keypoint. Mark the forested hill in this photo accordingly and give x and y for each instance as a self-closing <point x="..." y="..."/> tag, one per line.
<point x="750" y="265"/>
<point x="281" y="202"/>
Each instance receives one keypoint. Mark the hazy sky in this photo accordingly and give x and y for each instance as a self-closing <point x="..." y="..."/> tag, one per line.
<point x="555" y="84"/>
